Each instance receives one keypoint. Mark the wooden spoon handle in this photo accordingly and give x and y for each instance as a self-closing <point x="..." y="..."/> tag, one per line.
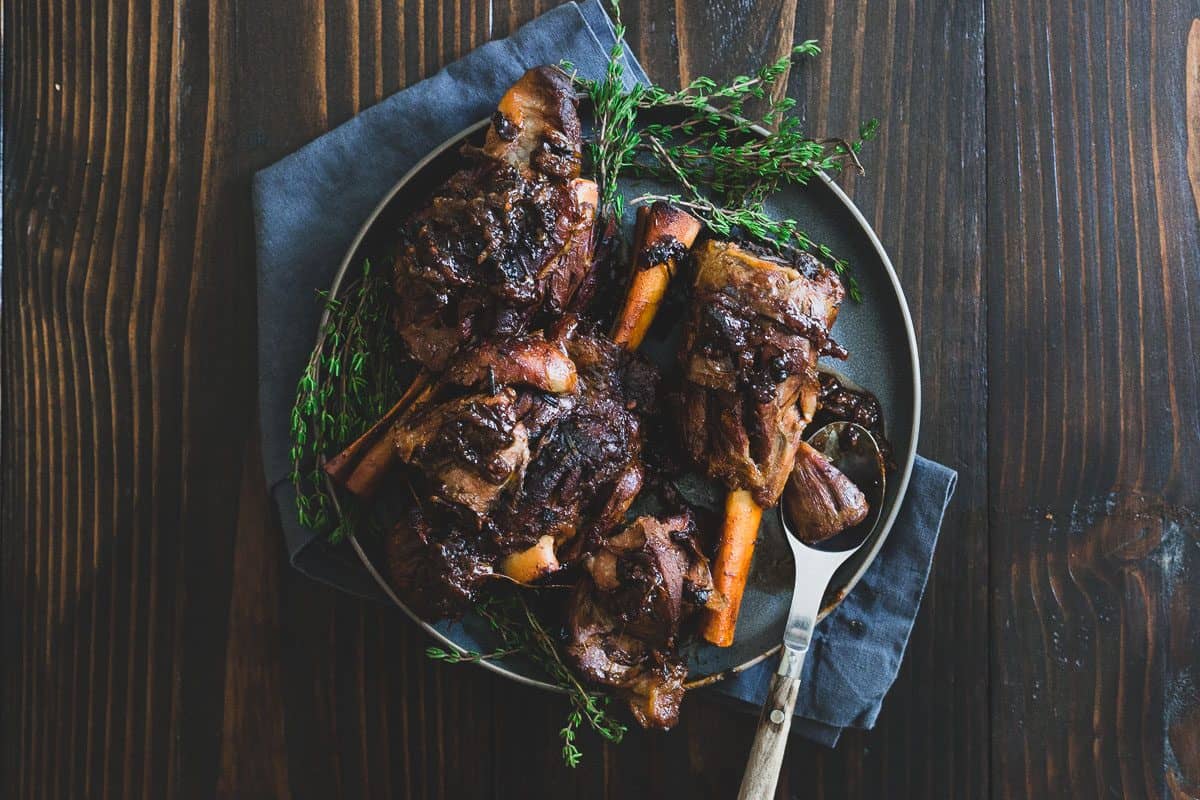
<point x="766" y="754"/>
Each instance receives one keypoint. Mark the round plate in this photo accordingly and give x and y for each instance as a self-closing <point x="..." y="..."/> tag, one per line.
<point x="883" y="357"/>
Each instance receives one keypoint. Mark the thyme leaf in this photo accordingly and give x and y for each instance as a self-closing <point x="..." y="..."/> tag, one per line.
<point x="467" y="656"/>
<point x="521" y="630"/>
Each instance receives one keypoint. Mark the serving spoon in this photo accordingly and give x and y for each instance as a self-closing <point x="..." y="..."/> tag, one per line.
<point x="853" y="450"/>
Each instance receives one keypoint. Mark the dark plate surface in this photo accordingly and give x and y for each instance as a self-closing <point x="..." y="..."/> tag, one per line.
<point x="878" y="333"/>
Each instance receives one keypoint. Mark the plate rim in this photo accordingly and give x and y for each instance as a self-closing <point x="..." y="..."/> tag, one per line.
<point x="906" y="471"/>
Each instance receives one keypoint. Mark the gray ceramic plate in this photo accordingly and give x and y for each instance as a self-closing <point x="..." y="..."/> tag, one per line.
<point x="883" y="357"/>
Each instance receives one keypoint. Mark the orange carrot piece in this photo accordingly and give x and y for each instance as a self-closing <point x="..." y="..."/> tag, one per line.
<point x="732" y="566"/>
<point x="370" y="470"/>
<point x="657" y="227"/>
<point x="344" y="463"/>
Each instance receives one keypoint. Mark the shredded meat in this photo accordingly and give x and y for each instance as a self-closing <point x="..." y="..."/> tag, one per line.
<point x="524" y="438"/>
<point x="437" y="573"/>
<point x="626" y="614"/>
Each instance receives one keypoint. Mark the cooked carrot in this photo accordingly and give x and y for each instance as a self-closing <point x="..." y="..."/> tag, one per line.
<point x="732" y="566"/>
<point x="655" y="254"/>
<point x="362" y="465"/>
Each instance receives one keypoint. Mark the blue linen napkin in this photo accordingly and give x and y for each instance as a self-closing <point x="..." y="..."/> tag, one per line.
<point x="308" y="208"/>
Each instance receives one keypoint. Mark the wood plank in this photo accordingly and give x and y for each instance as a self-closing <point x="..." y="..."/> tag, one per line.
<point x="919" y="68"/>
<point x="134" y="309"/>
<point x="727" y="39"/>
<point x="1094" y="414"/>
<point x="367" y="715"/>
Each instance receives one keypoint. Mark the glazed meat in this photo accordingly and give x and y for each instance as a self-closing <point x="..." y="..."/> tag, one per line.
<point x="437" y="572"/>
<point x="626" y="613"/>
<point x="756" y="328"/>
<point x="522" y="446"/>
<point x="820" y="501"/>
<point x="469" y="448"/>
<point x="506" y="241"/>
<point x="586" y="467"/>
<point x="469" y="435"/>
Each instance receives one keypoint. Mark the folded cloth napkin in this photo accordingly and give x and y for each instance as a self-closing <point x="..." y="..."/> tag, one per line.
<point x="308" y="208"/>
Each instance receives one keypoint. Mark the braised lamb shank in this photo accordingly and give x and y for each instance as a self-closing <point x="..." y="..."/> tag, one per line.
<point x="525" y="454"/>
<point x="625" y="614"/>
<point x="501" y="248"/>
<point x="750" y="352"/>
<point x="506" y="240"/>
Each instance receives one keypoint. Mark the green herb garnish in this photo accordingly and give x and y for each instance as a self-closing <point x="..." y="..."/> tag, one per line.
<point x="521" y="630"/>
<point x="725" y="168"/>
<point x="350" y="381"/>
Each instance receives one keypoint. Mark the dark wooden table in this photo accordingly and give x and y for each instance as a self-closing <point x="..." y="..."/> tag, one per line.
<point x="1036" y="181"/>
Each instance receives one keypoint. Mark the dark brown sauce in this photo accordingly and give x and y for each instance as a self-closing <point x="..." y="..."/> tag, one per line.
<point x="839" y="403"/>
<point x="486" y="233"/>
<point x="666" y="250"/>
<point x="727" y="326"/>
<point x="504" y="127"/>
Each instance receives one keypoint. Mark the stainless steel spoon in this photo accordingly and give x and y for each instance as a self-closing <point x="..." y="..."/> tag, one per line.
<point x="853" y="450"/>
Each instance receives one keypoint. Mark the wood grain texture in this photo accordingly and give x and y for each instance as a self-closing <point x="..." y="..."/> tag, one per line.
<point x="919" y="68"/>
<point x="1037" y="188"/>
<point x="765" y="762"/>
<point x="1193" y="110"/>
<point x="1094" y="422"/>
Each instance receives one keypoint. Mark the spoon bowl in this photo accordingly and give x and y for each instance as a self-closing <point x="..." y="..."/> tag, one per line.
<point x="854" y="452"/>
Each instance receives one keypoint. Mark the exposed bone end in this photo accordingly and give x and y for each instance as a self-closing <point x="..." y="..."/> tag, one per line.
<point x="662" y="230"/>
<point x="529" y="360"/>
<point x="529" y="565"/>
<point x="536" y="124"/>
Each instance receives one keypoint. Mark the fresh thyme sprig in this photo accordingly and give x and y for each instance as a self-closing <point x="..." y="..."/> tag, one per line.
<point x="520" y="630"/>
<point x="717" y="154"/>
<point x="349" y="382"/>
<point x="467" y="656"/>
<point x="615" y="143"/>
